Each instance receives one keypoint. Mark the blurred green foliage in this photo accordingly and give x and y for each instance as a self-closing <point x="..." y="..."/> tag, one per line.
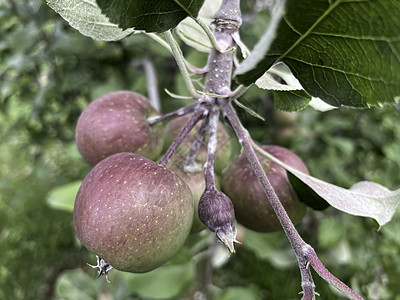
<point x="49" y="73"/>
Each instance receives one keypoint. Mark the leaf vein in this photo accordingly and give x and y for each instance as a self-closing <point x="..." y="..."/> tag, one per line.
<point x="365" y="37"/>
<point x="339" y="70"/>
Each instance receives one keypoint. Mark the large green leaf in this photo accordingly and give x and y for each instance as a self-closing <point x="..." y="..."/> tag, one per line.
<point x="344" y="52"/>
<point x="149" y="15"/>
<point x="86" y="17"/>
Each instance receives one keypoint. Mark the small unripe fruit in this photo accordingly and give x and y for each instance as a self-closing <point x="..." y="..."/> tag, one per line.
<point x="116" y="122"/>
<point x="217" y="213"/>
<point x="224" y="147"/>
<point x="195" y="180"/>
<point x="132" y="212"/>
<point x="252" y="207"/>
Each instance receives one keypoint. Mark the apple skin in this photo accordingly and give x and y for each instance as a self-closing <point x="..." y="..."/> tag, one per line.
<point x="252" y="208"/>
<point x="132" y="212"/>
<point x="195" y="181"/>
<point x="116" y="122"/>
<point x="224" y="147"/>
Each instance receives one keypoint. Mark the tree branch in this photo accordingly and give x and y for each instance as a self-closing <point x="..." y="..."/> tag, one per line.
<point x="305" y="254"/>
<point x="174" y="114"/>
<point x="190" y="164"/>
<point x="211" y="149"/>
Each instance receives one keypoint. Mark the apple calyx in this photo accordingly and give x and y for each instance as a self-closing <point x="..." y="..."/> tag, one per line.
<point x="227" y="235"/>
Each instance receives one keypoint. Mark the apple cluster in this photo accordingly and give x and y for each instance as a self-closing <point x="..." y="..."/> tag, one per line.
<point x="135" y="213"/>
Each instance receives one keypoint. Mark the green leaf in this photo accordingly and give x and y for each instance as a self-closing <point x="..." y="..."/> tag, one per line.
<point x="330" y="232"/>
<point x="63" y="197"/>
<point x="291" y="100"/>
<point x="80" y="285"/>
<point x="286" y="90"/>
<point x="150" y="15"/>
<point x="165" y="282"/>
<point x="75" y="284"/>
<point x="86" y="17"/>
<point x="366" y="199"/>
<point x="263" y="245"/>
<point x="344" y="52"/>
<point x="279" y="78"/>
<point x="191" y="32"/>
<point x="266" y="246"/>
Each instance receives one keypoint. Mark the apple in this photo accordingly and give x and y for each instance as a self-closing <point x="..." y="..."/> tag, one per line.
<point x="217" y="213"/>
<point x="116" y="122"/>
<point x="194" y="178"/>
<point x="133" y="213"/>
<point x="252" y="207"/>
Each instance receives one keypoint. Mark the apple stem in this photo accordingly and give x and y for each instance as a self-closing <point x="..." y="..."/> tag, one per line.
<point x="173" y="114"/>
<point x="317" y="265"/>
<point x="200" y="112"/>
<point x="211" y="148"/>
<point x="190" y="163"/>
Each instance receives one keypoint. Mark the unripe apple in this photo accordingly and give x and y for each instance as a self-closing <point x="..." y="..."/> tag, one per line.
<point x="217" y="213"/>
<point x="132" y="212"/>
<point x="224" y="147"/>
<point x="116" y="122"/>
<point x="195" y="180"/>
<point x="252" y="207"/>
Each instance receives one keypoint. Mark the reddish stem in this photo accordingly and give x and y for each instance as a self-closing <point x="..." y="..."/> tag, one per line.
<point x="190" y="162"/>
<point x="305" y="254"/>
<point x="211" y="149"/>
<point x="325" y="274"/>
<point x="173" y="114"/>
<point x="199" y="113"/>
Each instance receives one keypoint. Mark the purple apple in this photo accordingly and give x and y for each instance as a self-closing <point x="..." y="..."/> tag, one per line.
<point x="132" y="212"/>
<point x="252" y="208"/>
<point x="217" y="213"/>
<point x="195" y="180"/>
<point x="116" y="122"/>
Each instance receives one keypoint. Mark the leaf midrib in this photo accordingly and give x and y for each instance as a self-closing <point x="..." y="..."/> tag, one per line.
<point x="308" y="32"/>
<point x="184" y="8"/>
